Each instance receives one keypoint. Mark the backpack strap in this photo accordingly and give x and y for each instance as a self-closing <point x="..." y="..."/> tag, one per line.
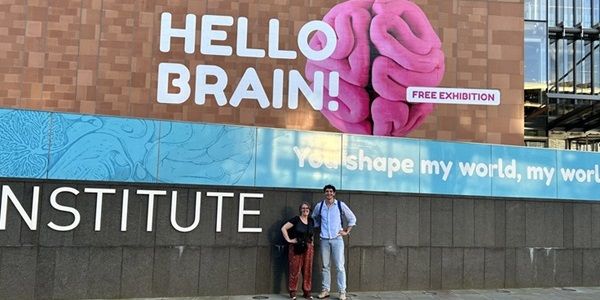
<point x="341" y="213"/>
<point x="339" y="207"/>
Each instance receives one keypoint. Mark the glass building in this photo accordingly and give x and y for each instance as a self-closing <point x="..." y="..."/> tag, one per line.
<point x="562" y="74"/>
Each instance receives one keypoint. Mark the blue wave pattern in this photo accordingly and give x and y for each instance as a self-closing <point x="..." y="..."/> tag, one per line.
<point x="206" y="154"/>
<point x="81" y="147"/>
<point x="24" y="143"/>
<point x="103" y="148"/>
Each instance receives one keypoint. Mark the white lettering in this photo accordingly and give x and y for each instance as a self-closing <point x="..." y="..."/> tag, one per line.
<point x="203" y="88"/>
<point x="124" y="209"/>
<point x="182" y="82"/>
<point x="219" y="206"/>
<point x="54" y="203"/>
<point x="99" y="193"/>
<point x="274" y="51"/>
<point x="243" y="212"/>
<point x="151" y="194"/>
<point x="209" y="35"/>
<point x="7" y="194"/>
<point x="329" y="33"/>
<point x="242" y="49"/>
<point x="250" y="87"/>
<point x="196" y="213"/>
<point x="167" y="32"/>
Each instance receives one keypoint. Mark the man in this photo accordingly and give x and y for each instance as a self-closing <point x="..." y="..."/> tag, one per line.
<point x="328" y="214"/>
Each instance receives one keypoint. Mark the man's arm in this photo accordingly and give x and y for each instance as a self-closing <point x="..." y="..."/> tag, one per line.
<point x="350" y="218"/>
<point x="315" y="214"/>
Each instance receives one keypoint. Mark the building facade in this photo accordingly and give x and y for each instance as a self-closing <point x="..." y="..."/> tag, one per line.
<point x="154" y="148"/>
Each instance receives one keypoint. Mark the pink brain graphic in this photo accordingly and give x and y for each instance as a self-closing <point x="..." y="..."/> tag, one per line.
<point x="383" y="47"/>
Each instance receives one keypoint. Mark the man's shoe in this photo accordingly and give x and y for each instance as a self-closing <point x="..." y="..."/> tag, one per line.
<point x="342" y="296"/>
<point x="323" y="294"/>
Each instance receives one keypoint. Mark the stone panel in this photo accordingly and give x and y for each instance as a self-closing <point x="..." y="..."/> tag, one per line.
<point x="515" y="224"/>
<point x="44" y="273"/>
<point x="553" y="225"/>
<point x="71" y="271"/>
<point x="385" y="220"/>
<point x="353" y="269"/>
<point x="534" y="224"/>
<point x="263" y="267"/>
<point x="526" y="267"/>
<point x="395" y="268"/>
<point x="500" y="223"/>
<point x="408" y="221"/>
<point x="474" y="264"/>
<point x="17" y="272"/>
<point x="563" y="276"/>
<point x="362" y="206"/>
<point x="136" y="277"/>
<point x="452" y="268"/>
<point x="242" y="271"/>
<point x="485" y="225"/>
<point x="214" y="268"/>
<point x="104" y="277"/>
<point x="424" y="221"/>
<point x="545" y="266"/>
<point x="372" y="264"/>
<point x="582" y="225"/>
<point x="568" y="223"/>
<point x="578" y="267"/>
<point x="463" y="223"/>
<point x="595" y="225"/>
<point x="418" y="268"/>
<point x="510" y="271"/>
<point x="175" y="271"/>
<point x="591" y="267"/>
<point x="441" y="222"/>
<point x="494" y="268"/>
<point x="436" y="269"/>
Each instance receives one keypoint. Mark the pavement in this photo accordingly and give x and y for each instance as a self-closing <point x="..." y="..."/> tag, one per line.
<point x="559" y="293"/>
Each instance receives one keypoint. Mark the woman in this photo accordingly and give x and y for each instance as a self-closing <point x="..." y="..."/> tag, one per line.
<point x="298" y="232"/>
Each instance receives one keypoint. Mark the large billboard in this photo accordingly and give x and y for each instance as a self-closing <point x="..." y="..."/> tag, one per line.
<point x="448" y="70"/>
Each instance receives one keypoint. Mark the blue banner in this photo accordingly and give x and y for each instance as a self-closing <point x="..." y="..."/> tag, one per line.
<point x="42" y="145"/>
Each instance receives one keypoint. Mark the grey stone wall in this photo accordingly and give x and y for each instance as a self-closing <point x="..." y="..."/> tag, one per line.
<point x="400" y="242"/>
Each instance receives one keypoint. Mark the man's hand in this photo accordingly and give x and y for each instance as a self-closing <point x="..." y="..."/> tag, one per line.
<point x="343" y="232"/>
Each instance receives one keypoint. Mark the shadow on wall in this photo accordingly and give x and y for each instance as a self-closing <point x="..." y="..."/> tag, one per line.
<point x="279" y="260"/>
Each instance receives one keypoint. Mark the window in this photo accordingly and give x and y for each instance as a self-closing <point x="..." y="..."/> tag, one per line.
<point x="583" y="74"/>
<point x="535" y="10"/>
<point x="535" y="54"/>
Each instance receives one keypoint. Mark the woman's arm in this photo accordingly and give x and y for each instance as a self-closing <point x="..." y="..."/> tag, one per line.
<point x="284" y="231"/>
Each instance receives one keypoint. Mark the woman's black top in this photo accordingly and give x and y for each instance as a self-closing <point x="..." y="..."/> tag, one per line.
<point x="300" y="230"/>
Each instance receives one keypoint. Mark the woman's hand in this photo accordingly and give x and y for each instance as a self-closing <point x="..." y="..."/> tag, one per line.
<point x="293" y="241"/>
